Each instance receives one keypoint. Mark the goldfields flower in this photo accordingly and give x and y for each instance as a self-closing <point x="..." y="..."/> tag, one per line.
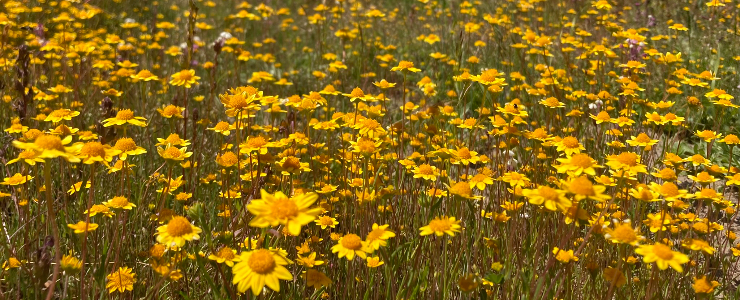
<point x="222" y="127"/>
<point x="62" y="114"/>
<point x="70" y="264"/>
<point x="441" y="226"/>
<point x="374" y="262"/>
<point x="564" y="256"/>
<point x="698" y="245"/>
<point x="701" y="284"/>
<point x="16" y="179"/>
<point x="174" y="153"/>
<point x="278" y="209"/>
<point x="123" y="117"/>
<point x="464" y="156"/>
<point x="426" y="172"/>
<point x="583" y="188"/>
<point x="358" y="94"/>
<point x="82" y="227"/>
<point x="405" y="66"/>
<point x="119" y="202"/>
<point x="316" y="279"/>
<point x="176" y="232"/>
<point x="170" y="111"/>
<point x="225" y="255"/>
<point x="569" y="145"/>
<point x="121" y="280"/>
<point x="623" y="233"/>
<point x="326" y="221"/>
<point x="641" y="140"/>
<point x="291" y="164"/>
<point x="127" y="146"/>
<point x="552" y="199"/>
<point x="577" y="164"/>
<point x="378" y="236"/>
<point x="92" y="152"/>
<point x="309" y="261"/>
<point x="615" y="276"/>
<point x="51" y="146"/>
<point x="350" y="245"/>
<point x="662" y="256"/>
<point x="185" y="78"/>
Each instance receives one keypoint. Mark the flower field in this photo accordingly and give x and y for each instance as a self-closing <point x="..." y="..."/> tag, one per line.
<point x="349" y="149"/>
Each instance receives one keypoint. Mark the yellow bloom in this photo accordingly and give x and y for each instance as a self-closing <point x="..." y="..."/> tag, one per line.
<point x="119" y="202"/>
<point x="351" y="245"/>
<point x="552" y="199"/>
<point x="405" y="66"/>
<point x="82" y="227"/>
<point x="225" y="255"/>
<point x="174" y="153"/>
<point x="378" y="236"/>
<point x="16" y="179"/>
<point x="278" y="209"/>
<point x="51" y="146"/>
<point x="123" y="117"/>
<point x="121" y="280"/>
<point x="663" y="256"/>
<point x="177" y="231"/>
<point x="184" y="77"/>
<point x="374" y="262"/>
<point x="259" y="268"/>
<point x="441" y="226"/>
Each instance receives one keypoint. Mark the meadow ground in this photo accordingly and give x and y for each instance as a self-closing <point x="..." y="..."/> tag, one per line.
<point x="348" y="149"/>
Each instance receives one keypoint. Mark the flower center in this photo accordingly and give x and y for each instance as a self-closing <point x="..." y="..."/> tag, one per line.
<point x="669" y="189"/>
<point x="125" y="144"/>
<point x="548" y="193"/>
<point x="405" y="64"/>
<point x="570" y="142"/>
<point x="228" y="159"/>
<point x="352" y="241"/>
<point x="256" y="142"/>
<point x="27" y="154"/>
<point x="222" y="126"/>
<point x="179" y="226"/>
<point x="284" y="208"/>
<point x="581" y="160"/>
<point x="125" y="114"/>
<point x="174" y="139"/>
<point x="49" y="142"/>
<point x="238" y="101"/>
<point x="292" y="163"/>
<point x="376" y="234"/>
<point x="642" y="138"/>
<point x="261" y="261"/>
<point x="437" y="225"/>
<point x="93" y="149"/>
<point x="226" y="253"/>
<point x="624" y="233"/>
<point x="426" y="169"/>
<point x="461" y="188"/>
<point x="627" y="158"/>
<point x="464" y="153"/>
<point x="581" y="186"/>
<point x="171" y="110"/>
<point x="663" y="251"/>
<point x="185" y="75"/>
<point x="172" y="152"/>
<point x="119" y="201"/>
<point x="357" y="92"/>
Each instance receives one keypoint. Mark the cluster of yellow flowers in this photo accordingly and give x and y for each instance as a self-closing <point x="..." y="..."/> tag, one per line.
<point x="564" y="145"/>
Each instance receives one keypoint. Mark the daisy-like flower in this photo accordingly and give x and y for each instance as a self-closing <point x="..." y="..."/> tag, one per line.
<point x="553" y="199"/>
<point x="569" y="145"/>
<point x="641" y="140"/>
<point x="225" y="255"/>
<point x="177" y="231"/>
<point x="663" y="256"/>
<point x="100" y="209"/>
<point x="51" y="146"/>
<point x="623" y="233"/>
<point x="350" y="245"/>
<point x="92" y="152"/>
<point x="291" y="164"/>
<point x="278" y="209"/>
<point x="82" y="227"/>
<point x="378" y="236"/>
<point x="145" y="75"/>
<point x="171" y="111"/>
<point x="358" y="94"/>
<point x="405" y="66"/>
<point x="578" y="164"/>
<point x="222" y="127"/>
<point x="708" y="135"/>
<point x="123" y="117"/>
<point x="582" y="188"/>
<point x="119" y="202"/>
<point x="464" y="156"/>
<point x="426" y="172"/>
<point x="185" y="78"/>
<point x="259" y="268"/>
<point x="16" y="179"/>
<point x="127" y="146"/>
<point x="374" y="262"/>
<point x="62" y="114"/>
<point x="441" y="226"/>
<point x="316" y="279"/>
<point x="121" y="280"/>
<point x="326" y="221"/>
<point x="173" y="140"/>
<point x="174" y="153"/>
<point x="701" y="284"/>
